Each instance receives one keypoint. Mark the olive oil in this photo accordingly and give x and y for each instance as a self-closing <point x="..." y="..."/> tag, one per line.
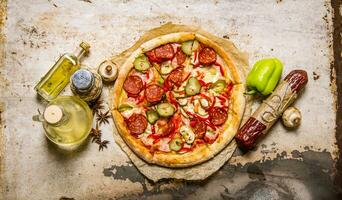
<point x="59" y="75"/>
<point x="67" y="121"/>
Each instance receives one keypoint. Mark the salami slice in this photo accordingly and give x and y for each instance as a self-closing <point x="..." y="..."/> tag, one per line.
<point x="199" y="127"/>
<point x="164" y="52"/>
<point x="136" y="124"/>
<point x="133" y="85"/>
<point x="218" y="116"/>
<point x="207" y="56"/>
<point x="176" y="76"/>
<point x="152" y="56"/>
<point x="154" y="93"/>
<point x="180" y="56"/>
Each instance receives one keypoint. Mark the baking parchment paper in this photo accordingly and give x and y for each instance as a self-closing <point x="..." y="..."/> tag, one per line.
<point x="204" y="170"/>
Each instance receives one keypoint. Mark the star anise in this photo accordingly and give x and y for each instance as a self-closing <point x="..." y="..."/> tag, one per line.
<point x="98" y="105"/>
<point x="102" y="144"/>
<point x="96" y="134"/>
<point x="103" y="117"/>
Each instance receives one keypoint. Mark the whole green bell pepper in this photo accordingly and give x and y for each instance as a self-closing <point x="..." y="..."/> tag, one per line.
<point x="264" y="76"/>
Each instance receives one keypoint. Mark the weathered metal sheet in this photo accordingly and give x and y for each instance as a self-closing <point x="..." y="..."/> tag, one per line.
<point x="287" y="164"/>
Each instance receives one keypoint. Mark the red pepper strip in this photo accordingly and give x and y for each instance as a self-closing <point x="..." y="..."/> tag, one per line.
<point x="206" y="97"/>
<point x="167" y="85"/>
<point x="173" y="100"/>
<point x="148" y="74"/>
<point x="195" y="116"/>
<point x="184" y="150"/>
<point x="154" y="136"/>
<point x="213" y="104"/>
<point x="199" y="141"/>
<point x="141" y="98"/>
<point x="187" y="76"/>
<point x="195" y="56"/>
<point x="221" y="68"/>
<point x="208" y="123"/>
<point x="203" y="84"/>
<point x="153" y="129"/>
<point x="156" y="141"/>
<point x="222" y="99"/>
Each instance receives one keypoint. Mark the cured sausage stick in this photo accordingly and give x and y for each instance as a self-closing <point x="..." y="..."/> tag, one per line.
<point x="271" y="109"/>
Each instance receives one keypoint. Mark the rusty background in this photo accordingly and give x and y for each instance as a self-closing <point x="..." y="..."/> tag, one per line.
<point x="300" y="164"/>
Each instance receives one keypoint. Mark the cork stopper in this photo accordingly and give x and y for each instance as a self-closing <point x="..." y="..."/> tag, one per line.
<point x="85" y="46"/>
<point x="53" y="114"/>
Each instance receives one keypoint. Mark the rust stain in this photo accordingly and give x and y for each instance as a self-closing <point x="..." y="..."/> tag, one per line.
<point x="336" y="67"/>
<point x="3" y="14"/>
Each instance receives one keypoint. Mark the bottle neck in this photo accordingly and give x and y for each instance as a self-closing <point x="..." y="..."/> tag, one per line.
<point x="79" y="53"/>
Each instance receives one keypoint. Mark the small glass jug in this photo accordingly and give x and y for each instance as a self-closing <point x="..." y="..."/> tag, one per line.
<point x="67" y="121"/>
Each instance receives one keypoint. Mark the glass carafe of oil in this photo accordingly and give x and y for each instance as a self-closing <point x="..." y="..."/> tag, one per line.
<point x="67" y="121"/>
<point x="59" y="75"/>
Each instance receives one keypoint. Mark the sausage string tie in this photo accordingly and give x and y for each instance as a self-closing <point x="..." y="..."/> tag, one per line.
<point x="277" y="102"/>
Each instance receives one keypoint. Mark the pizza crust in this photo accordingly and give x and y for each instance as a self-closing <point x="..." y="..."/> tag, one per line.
<point x="199" y="154"/>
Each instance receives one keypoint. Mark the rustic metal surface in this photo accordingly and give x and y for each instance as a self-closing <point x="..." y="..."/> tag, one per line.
<point x="286" y="165"/>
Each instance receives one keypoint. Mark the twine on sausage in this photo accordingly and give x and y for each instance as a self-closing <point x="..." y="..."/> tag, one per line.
<point x="277" y="103"/>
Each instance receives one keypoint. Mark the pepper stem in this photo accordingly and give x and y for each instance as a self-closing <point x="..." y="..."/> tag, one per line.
<point x="251" y="92"/>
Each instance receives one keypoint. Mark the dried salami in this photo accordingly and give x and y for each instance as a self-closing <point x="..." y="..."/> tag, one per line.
<point x="154" y="93"/>
<point x="181" y="57"/>
<point x="207" y="56"/>
<point x="176" y="76"/>
<point x="199" y="128"/>
<point x="133" y="85"/>
<point x="164" y="52"/>
<point x="136" y="123"/>
<point x="218" y="116"/>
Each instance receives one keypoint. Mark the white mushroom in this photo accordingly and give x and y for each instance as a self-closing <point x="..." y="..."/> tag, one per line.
<point x="291" y="117"/>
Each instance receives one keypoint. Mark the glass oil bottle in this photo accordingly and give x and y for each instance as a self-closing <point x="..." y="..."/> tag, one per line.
<point x="67" y="121"/>
<point x="59" y="75"/>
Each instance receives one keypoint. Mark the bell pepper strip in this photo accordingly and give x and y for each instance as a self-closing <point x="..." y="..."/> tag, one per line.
<point x="205" y="97"/>
<point x="199" y="142"/>
<point x="154" y="136"/>
<point x="153" y="129"/>
<point x="172" y="100"/>
<point x="222" y="99"/>
<point x="186" y="77"/>
<point x="264" y="76"/>
<point x="221" y="68"/>
<point x="203" y="84"/>
<point x="212" y="104"/>
<point x="184" y="150"/>
<point x="141" y="98"/>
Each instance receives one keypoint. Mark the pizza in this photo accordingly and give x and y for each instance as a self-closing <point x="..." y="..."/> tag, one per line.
<point x="178" y="100"/>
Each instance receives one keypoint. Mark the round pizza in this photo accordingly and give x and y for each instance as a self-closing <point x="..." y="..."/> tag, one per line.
<point x="178" y="100"/>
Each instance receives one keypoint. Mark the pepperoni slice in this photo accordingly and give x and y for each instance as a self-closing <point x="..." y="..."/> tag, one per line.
<point x="207" y="56"/>
<point x="152" y="56"/>
<point x="176" y="76"/>
<point x="164" y="52"/>
<point x="180" y="56"/>
<point x="199" y="127"/>
<point x="154" y="93"/>
<point x="136" y="124"/>
<point x="218" y="116"/>
<point x="133" y="85"/>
